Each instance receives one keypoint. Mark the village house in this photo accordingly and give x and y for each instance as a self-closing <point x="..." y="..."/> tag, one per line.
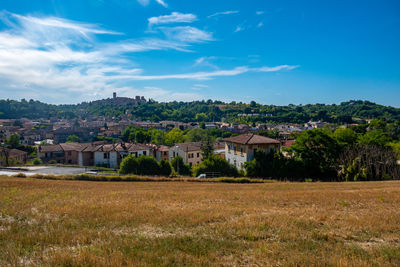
<point x="191" y="152"/>
<point x="91" y="154"/>
<point x="240" y="149"/>
<point x="111" y="155"/>
<point x="15" y="155"/>
<point x="51" y="153"/>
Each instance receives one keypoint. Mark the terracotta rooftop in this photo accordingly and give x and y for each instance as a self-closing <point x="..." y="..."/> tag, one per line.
<point x="251" y="139"/>
<point x="50" y="148"/>
<point x="195" y="146"/>
<point x="12" y="152"/>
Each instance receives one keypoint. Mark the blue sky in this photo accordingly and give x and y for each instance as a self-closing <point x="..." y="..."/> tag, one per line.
<point x="273" y="52"/>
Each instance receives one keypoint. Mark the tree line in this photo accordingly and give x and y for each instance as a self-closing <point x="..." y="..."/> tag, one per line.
<point x="203" y="111"/>
<point x="358" y="153"/>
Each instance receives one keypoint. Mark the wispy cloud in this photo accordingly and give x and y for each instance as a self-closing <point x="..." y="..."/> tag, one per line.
<point x="229" y="12"/>
<point x="205" y="61"/>
<point x="187" y="34"/>
<point x="64" y="24"/>
<point x="239" y="28"/>
<point x="210" y="75"/>
<point x="162" y="2"/>
<point x="52" y="57"/>
<point x="143" y="2"/>
<point x="175" y="17"/>
<point x="260" y="12"/>
<point x="260" y="24"/>
<point x="199" y="86"/>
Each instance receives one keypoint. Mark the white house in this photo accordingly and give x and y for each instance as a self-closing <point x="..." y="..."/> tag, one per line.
<point x="240" y="149"/>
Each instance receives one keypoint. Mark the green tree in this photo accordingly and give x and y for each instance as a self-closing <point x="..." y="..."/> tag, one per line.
<point x="174" y="136"/>
<point x="345" y="136"/>
<point x="180" y="167"/>
<point x="195" y="135"/>
<point x="215" y="164"/>
<point x="142" y="137"/>
<point x="148" y="165"/>
<point x="13" y="141"/>
<point x="73" y="139"/>
<point x="374" y="137"/>
<point x="165" y="168"/>
<point x="129" y="165"/>
<point x="318" y="152"/>
<point x="207" y="147"/>
<point x="201" y="117"/>
<point x="158" y="137"/>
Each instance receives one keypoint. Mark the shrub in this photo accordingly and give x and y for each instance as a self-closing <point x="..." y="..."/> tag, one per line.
<point x="52" y="162"/>
<point x="20" y="175"/>
<point x="36" y="161"/>
<point x="128" y="165"/>
<point x="165" y="168"/>
<point x="143" y="165"/>
<point x="178" y="164"/>
<point x="215" y="164"/>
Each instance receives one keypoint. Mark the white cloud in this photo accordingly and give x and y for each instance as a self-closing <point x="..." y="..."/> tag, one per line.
<point x="277" y="68"/>
<point x="239" y="28"/>
<point x="210" y="75"/>
<point x="58" y="60"/>
<point x="260" y="24"/>
<point x="205" y="61"/>
<point x="187" y="34"/>
<point x="175" y="17"/>
<point x="143" y="2"/>
<point x="162" y="2"/>
<point x="229" y="12"/>
<point x="63" y="23"/>
<point x="163" y="95"/>
<point x="260" y="12"/>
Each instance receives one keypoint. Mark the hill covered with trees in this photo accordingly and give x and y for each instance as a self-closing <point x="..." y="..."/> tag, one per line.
<point x="198" y="111"/>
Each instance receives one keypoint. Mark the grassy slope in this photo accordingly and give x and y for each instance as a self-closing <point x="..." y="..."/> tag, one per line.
<point x="52" y="222"/>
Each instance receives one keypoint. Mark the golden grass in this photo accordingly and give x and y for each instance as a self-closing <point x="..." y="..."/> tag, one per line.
<point x="75" y="223"/>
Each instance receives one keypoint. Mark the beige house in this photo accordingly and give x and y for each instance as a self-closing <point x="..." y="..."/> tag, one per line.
<point x="240" y="149"/>
<point x="191" y="152"/>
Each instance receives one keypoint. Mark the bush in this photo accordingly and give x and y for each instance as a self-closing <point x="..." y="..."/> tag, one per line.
<point x="143" y="165"/>
<point x="52" y="162"/>
<point x="128" y="165"/>
<point x="20" y="175"/>
<point x="165" y="168"/>
<point x="215" y="164"/>
<point x="36" y="161"/>
<point x="178" y="164"/>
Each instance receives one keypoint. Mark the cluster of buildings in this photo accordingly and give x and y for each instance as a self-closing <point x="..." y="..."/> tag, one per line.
<point x="236" y="150"/>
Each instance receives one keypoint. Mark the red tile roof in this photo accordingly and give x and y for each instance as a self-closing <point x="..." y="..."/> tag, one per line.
<point x="251" y="139"/>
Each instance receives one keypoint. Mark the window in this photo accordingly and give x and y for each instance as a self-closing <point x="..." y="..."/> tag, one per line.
<point x="234" y="148"/>
<point x="105" y="155"/>
<point x="144" y="153"/>
<point x="198" y="154"/>
<point x="241" y="150"/>
<point x="165" y="153"/>
<point x="229" y="148"/>
<point x="135" y="154"/>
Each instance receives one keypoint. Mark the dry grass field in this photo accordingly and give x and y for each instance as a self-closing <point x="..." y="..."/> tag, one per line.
<point x="80" y="223"/>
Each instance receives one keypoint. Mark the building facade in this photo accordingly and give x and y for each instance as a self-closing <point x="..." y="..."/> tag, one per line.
<point x="240" y="149"/>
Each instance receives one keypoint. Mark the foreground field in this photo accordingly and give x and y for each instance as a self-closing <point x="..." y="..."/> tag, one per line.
<point x="69" y="223"/>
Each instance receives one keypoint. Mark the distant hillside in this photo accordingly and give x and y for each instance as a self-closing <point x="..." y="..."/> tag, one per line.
<point x="346" y="112"/>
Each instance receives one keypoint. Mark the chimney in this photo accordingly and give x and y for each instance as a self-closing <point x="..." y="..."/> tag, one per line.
<point x="114" y="95"/>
